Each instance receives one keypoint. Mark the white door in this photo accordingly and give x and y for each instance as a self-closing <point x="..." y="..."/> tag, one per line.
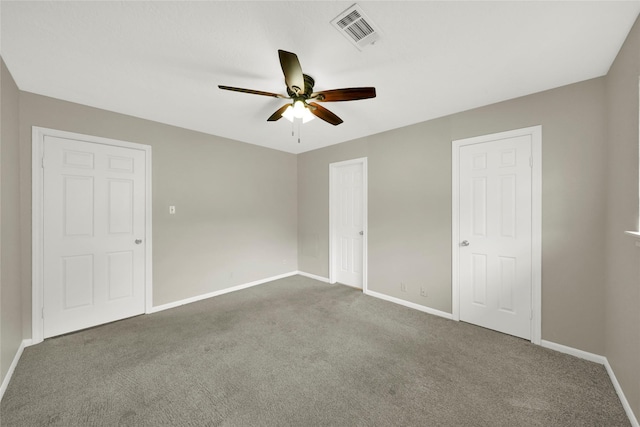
<point x="495" y="233"/>
<point x="94" y="240"/>
<point x="348" y="223"/>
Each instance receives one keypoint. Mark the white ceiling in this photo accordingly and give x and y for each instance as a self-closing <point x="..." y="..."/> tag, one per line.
<point x="163" y="60"/>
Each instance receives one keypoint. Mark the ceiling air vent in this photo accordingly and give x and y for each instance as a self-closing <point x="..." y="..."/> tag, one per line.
<point x="356" y="27"/>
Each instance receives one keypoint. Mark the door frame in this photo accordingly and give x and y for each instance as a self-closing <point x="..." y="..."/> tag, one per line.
<point x="535" y="132"/>
<point x="38" y="135"/>
<point x="333" y="203"/>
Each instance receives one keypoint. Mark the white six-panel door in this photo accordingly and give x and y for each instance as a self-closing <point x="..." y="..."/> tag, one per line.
<point x="348" y="223"/>
<point x="94" y="234"/>
<point x="495" y="235"/>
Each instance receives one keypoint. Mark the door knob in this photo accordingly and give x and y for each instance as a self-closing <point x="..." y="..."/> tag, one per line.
<point x="361" y="233"/>
<point x="464" y="243"/>
<point x="138" y="241"/>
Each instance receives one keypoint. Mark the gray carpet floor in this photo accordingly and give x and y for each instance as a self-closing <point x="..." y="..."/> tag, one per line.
<point x="297" y="352"/>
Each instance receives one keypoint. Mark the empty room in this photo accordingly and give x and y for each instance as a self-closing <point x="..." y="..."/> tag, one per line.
<point x="244" y="213"/>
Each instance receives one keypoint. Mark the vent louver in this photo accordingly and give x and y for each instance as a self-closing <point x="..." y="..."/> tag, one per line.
<point x="356" y="27"/>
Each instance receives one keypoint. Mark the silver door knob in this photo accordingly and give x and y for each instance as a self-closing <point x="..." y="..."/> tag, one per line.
<point x="464" y="243"/>
<point x="361" y="233"/>
<point x="138" y="241"/>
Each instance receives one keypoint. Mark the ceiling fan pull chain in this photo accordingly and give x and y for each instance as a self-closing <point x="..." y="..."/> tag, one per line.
<point x="299" y="121"/>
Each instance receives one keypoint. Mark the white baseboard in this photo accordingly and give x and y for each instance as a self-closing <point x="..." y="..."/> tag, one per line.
<point x="374" y="294"/>
<point x="349" y="286"/>
<point x="14" y="363"/>
<point x="623" y="398"/>
<point x="591" y="357"/>
<point x="220" y="292"/>
<point x="313" y="276"/>
<point x="602" y="360"/>
<point x="409" y="304"/>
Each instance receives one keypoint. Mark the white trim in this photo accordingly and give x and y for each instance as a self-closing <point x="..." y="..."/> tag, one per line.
<point x="633" y="234"/>
<point x="220" y="292"/>
<point x="455" y="232"/>
<point x="12" y="367"/>
<point x="623" y="398"/>
<point x="409" y="304"/>
<point x="536" y="221"/>
<point x="602" y="360"/>
<point x="37" y="216"/>
<point x="148" y="291"/>
<point x="536" y="233"/>
<point x="581" y="354"/>
<point x="313" y="276"/>
<point x="37" y="174"/>
<point x="365" y="215"/>
<point x="348" y="285"/>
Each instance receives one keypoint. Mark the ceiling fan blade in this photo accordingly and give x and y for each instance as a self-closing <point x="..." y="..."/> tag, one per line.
<point x="324" y="114"/>
<point x="292" y="71"/>
<point x="253" y="92"/>
<point x="347" y="94"/>
<point x="278" y="114"/>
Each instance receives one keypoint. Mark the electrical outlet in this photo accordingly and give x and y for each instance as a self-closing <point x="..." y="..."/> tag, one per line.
<point x="172" y="210"/>
<point x="423" y="292"/>
<point x="403" y="287"/>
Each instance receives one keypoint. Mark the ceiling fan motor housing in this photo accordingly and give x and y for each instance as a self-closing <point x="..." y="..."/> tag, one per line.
<point x="308" y="87"/>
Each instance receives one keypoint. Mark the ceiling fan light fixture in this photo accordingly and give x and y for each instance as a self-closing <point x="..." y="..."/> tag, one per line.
<point x="288" y="113"/>
<point x="307" y="116"/>
<point x="298" y="111"/>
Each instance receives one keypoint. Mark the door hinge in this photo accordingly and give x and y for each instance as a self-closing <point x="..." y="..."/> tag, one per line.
<point x="530" y="162"/>
<point x="531" y="315"/>
<point x="42" y="313"/>
<point x="42" y="162"/>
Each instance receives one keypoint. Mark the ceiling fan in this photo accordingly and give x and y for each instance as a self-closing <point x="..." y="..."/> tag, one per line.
<point x="304" y="103"/>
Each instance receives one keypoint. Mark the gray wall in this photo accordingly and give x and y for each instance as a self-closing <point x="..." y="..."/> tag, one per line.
<point x="10" y="295"/>
<point x="236" y="205"/>
<point x="410" y="206"/>
<point x="622" y="329"/>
